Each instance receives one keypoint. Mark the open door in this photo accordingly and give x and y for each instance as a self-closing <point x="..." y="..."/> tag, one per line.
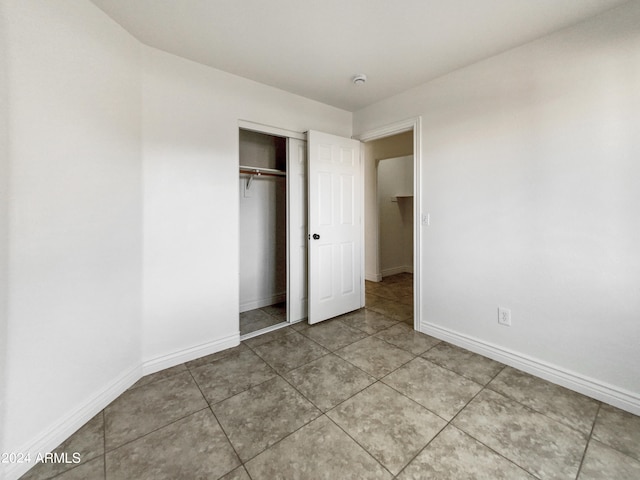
<point x="335" y="272"/>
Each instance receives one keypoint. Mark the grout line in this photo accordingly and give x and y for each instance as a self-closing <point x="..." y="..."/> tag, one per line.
<point x="104" y="443"/>
<point x="423" y="448"/>
<point x="448" y="423"/>
<point x="224" y="432"/>
<point x="212" y="404"/>
<point x="361" y="446"/>
<point x="156" y="429"/>
<point x="531" y="409"/>
<point x="302" y="394"/>
<point x="484" y="387"/>
<point x="586" y="447"/>
<point x="280" y="440"/>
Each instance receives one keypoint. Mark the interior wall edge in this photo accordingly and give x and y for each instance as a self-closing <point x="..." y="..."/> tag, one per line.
<point x="596" y="389"/>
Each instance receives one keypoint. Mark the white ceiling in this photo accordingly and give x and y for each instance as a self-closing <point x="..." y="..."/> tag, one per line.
<point x="314" y="48"/>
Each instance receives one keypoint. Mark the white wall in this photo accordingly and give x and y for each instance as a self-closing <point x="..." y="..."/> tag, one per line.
<point x="531" y="175"/>
<point x="98" y="124"/>
<point x="190" y="150"/>
<point x="395" y="215"/>
<point x="74" y="218"/>
<point x="4" y="216"/>
<point x="263" y="223"/>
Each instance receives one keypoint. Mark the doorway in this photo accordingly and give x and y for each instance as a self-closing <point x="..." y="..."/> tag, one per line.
<point x="392" y="227"/>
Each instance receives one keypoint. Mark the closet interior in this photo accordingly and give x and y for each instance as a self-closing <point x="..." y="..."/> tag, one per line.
<point x="263" y="231"/>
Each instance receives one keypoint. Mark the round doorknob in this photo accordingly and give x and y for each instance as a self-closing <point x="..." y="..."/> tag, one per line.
<point x="316" y="236"/>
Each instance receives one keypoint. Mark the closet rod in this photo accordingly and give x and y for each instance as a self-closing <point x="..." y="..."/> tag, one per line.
<point x="262" y="171"/>
<point x="259" y="171"/>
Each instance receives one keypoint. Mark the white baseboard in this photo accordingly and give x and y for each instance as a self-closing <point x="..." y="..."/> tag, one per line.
<point x="70" y="423"/>
<point x="176" y="358"/>
<point x="604" y="392"/>
<point x="263" y="302"/>
<point x="373" y="277"/>
<point x="387" y="272"/>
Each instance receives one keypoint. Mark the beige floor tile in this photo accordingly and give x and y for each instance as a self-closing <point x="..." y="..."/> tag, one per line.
<point x="289" y="352"/>
<point x="193" y="447"/>
<point x="387" y="424"/>
<point x="603" y="462"/>
<point x="278" y="310"/>
<point x="367" y="320"/>
<point x="255" y="320"/>
<point x="618" y="429"/>
<point x="238" y="474"/>
<point x="328" y="381"/>
<point x="318" y="451"/>
<point x="333" y="334"/>
<point x="231" y="375"/>
<point x="454" y="455"/>
<point x="406" y="300"/>
<point x="144" y="409"/>
<point x="468" y="364"/>
<point x="374" y="356"/>
<point x="542" y="446"/>
<point x="394" y="290"/>
<point x="390" y="308"/>
<point x="93" y="469"/>
<point x="405" y="337"/>
<point x="257" y="418"/>
<point x="404" y="277"/>
<point x="440" y="390"/>
<point x="571" y="408"/>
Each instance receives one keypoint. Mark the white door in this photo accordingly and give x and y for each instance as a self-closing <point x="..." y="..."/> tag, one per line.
<point x="296" y="229"/>
<point x="335" y="273"/>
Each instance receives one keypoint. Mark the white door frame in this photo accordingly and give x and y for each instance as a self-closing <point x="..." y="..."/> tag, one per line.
<point x="413" y="124"/>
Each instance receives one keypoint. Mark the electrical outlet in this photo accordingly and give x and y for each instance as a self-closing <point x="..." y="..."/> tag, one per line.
<point x="426" y="219"/>
<point x="504" y="316"/>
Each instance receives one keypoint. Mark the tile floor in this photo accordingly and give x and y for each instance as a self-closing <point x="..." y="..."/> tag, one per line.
<point x="361" y="396"/>
<point x="254" y="320"/>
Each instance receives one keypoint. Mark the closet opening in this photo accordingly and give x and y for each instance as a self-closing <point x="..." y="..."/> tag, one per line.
<point x="263" y="232"/>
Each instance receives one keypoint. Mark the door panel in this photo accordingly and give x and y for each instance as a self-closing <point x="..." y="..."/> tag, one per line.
<point x="335" y="280"/>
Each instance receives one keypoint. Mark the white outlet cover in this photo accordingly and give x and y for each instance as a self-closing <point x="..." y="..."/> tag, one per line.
<point x="504" y="316"/>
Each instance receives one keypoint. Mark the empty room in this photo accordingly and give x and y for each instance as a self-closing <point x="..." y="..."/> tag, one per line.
<point x="319" y="240"/>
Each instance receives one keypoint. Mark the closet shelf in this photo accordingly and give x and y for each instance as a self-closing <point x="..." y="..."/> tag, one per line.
<point x="260" y="171"/>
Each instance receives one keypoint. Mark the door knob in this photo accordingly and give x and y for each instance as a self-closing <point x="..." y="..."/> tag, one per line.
<point x="316" y="236"/>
